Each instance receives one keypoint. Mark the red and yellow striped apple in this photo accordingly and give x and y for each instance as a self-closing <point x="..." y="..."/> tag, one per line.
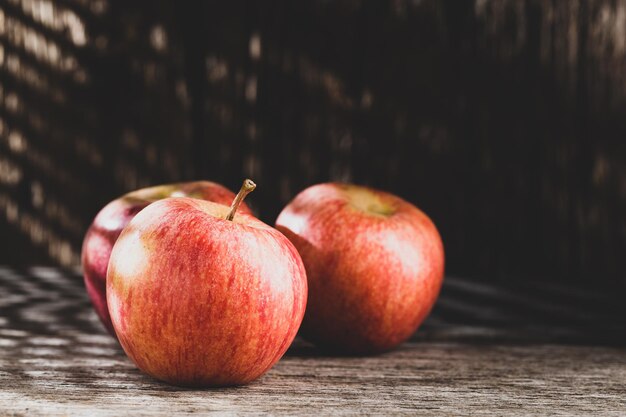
<point x="201" y="296"/>
<point x="374" y="264"/>
<point x="110" y="221"/>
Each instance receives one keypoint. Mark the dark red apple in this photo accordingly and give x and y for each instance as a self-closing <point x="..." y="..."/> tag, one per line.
<point x="110" y="221"/>
<point x="198" y="297"/>
<point x="374" y="264"/>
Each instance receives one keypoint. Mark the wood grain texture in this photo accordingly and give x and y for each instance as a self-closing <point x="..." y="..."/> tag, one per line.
<point x="475" y="356"/>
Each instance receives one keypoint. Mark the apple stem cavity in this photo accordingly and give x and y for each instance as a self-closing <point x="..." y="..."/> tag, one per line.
<point x="246" y="188"/>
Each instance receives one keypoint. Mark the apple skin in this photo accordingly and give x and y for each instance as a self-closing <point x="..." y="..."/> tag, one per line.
<point x="110" y="221"/>
<point x="197" y="300"/>
<point x="374" y="264"/>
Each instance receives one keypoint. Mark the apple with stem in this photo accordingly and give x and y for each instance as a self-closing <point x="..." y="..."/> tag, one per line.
<point x="202" y="295"/>
<point x="110" y="221"/>
<point x="374" y="264"/>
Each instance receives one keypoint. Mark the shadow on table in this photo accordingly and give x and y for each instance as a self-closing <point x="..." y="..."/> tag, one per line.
<point x="519" y="312"/>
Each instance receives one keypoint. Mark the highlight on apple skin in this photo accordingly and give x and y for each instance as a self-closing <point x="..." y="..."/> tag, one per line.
<point x="199" y="300"/>
<point x="110" y="221"/>
<point x="374" y="264"/>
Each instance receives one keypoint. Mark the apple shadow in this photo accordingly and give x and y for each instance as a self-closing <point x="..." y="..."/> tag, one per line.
<point x="301" y="348"/>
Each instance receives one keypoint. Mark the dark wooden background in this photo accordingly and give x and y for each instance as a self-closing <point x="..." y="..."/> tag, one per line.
<point x="504" y="120"/>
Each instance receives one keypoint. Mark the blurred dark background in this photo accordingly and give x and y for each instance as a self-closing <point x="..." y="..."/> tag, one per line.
<point x="504" y="120"/>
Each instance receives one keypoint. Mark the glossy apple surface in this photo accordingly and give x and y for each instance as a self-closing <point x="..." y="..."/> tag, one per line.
<point x="198" y="300"/>
<point x="374" y="264"/>
<point x="110" y="221"/>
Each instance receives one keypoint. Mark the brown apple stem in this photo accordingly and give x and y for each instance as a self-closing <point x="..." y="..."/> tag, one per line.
<point x="247" y="187"/>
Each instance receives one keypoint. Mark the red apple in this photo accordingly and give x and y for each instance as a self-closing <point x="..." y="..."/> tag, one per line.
<point x="110" y="221"/>
<point x="374" y="264"/>
<point x="198" y="297"/>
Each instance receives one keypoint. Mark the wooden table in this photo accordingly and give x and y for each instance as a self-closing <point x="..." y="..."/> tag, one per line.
<point x="519" y="349"/>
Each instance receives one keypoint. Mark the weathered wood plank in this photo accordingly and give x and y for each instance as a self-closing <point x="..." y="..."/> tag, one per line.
<point x="55" y="359"/>
<point x="437" y="377"/>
